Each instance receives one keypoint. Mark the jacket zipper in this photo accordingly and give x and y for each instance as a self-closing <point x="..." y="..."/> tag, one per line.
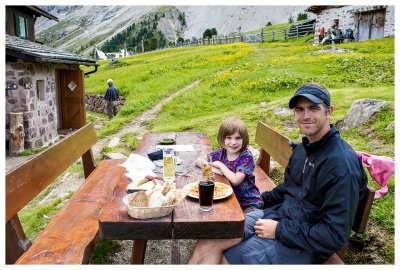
<point x="305" y="163"/>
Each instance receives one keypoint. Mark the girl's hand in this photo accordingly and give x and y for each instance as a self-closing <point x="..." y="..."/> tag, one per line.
<point x="234" y="178"/>
<point x="218" y="164"/>
<point x="265" y="228"/>
<point x="217" y="171"/>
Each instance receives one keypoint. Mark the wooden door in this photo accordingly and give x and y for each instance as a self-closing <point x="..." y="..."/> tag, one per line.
<point x="378" y="23"/>
<point x="371" y="25"/>
<point x="72" y="99"/>
<point x="364" y="26"/>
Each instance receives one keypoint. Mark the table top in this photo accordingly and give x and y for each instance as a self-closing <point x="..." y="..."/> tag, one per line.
<point x="225" y="220"/>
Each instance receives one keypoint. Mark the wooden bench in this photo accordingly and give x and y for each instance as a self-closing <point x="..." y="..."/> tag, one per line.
<point x="276" y="145"/>
<point x="71" y="236"/>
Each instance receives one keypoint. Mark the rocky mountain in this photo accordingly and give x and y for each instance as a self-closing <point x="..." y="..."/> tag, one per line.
<point x="81" y="27"/>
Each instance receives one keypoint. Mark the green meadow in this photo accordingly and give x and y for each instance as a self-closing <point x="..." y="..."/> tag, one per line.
<point x="236" y="78"/>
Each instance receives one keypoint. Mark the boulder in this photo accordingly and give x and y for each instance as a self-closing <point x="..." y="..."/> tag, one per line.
<point x="114" y="142"/>
<point x="115" y="156"/>
<point x="360" y="111"/>
<point x="390" y="126"/>
<point x="281" y="111"/>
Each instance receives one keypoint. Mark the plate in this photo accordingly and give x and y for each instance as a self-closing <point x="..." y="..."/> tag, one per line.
<point x="228" y="189"/>
<point x="166" y="141"/>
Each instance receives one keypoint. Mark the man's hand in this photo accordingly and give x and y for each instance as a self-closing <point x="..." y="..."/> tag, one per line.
<point x="265" y="228"/>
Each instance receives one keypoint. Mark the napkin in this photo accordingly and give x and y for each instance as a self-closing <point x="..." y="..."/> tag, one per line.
<point x="138" y="167"/>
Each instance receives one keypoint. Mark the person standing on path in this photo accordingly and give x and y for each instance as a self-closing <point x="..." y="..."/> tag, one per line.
<point x="111" y="97"/>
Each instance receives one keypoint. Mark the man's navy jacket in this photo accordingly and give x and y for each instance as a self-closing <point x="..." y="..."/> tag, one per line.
<point x="316" y="204"/>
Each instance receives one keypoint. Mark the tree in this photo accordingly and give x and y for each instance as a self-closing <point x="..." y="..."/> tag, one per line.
<point x="291" y="20"/>
<point x="269" y="23"/>
<point x="180" y="40"/>
<point x="214" y="31"/>
<point x="209" y="33"/>
<point x="153" y="44"/>
<point x="302" y="16"/>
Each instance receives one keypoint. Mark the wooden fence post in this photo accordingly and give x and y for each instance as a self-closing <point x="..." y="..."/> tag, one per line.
<point x="17" y="134"/>
<point x="297" y="28"/>
<point x="262" y="35"/>
<point x="285" y="33"/>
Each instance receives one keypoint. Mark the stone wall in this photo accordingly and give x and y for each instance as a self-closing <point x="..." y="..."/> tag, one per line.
<point x="97" y="103"/>
<point x="40" y="116"/>
<point x="348" y="19"/>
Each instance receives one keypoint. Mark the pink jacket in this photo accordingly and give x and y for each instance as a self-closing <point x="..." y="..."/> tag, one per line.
<point x="380" y="168"/>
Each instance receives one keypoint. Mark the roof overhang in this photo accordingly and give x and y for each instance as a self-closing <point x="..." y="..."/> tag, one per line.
<point x="319" y="9"/>
<point x="38" y="53"/>
<point x="43" y="13"/>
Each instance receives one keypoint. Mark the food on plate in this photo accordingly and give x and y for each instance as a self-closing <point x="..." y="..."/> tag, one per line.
<point x="134" y="186"/>
<point x="220" y="190"/>
<point x="143" y="181"/>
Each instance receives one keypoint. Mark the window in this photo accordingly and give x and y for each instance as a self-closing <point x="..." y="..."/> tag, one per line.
<point x="40" y="90"/>
<point x="335" y="24"/>
<point x="21" y="26"/>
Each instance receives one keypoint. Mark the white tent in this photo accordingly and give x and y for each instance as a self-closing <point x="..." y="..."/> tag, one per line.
<point x="101" y="55"/>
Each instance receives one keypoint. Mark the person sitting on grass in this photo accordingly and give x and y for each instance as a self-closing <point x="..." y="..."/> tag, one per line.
<point x="309" y="216"/>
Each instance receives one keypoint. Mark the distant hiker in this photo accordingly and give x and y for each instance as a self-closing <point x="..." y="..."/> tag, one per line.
<point x="111" y="97"/>
<point x="321" y="35"/>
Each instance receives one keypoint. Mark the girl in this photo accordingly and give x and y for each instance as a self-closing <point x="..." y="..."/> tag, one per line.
<point x="235" y="162"/>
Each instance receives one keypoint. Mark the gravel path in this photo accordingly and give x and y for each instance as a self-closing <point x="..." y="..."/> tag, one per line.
<point x="157" y="251"/>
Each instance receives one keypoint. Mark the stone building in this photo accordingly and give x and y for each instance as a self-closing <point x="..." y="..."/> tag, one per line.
<point x="46" y="85"/>
<point x="367" y="22"/>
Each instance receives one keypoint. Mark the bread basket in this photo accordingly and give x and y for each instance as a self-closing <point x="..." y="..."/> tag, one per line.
<point x="152" y="212"/>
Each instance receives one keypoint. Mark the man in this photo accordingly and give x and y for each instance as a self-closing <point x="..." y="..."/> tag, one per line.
<point x="111" y="97"/>
<point x="309" y="216"/>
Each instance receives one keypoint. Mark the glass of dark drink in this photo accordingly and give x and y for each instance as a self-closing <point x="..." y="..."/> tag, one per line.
<point x="206" y="193"/>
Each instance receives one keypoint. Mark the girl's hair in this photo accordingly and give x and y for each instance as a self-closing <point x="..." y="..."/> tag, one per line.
<point x="228" y="127"/>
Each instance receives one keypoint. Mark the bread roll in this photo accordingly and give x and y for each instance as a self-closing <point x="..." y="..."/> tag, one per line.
<point x="156" y="199"/>
<point x="167" y="187"/>
<point x="140" y="199"/>
<point x="169" y="198"/>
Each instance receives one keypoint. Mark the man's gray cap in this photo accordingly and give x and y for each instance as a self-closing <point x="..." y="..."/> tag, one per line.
<point x="110" y="82"/>
<point x="312" y="93"/>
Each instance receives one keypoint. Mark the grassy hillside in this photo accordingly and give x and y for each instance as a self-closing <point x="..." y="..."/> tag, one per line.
<point x="275" y="27"/>
<point x="236" y="78"/>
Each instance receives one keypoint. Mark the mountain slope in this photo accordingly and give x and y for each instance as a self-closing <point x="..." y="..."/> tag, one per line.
<point x="82" y="27"/>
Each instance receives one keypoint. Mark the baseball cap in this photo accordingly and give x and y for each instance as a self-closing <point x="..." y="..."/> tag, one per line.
<point x="110" y="82"/>
<point x="313" y="93"/>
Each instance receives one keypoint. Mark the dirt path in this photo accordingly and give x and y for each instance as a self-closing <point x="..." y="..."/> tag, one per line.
<point x="137" y="125"/>
<point x="157" y="250"/>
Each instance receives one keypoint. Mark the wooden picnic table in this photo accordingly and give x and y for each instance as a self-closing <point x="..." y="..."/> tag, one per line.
<point x="225" y="220"/>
